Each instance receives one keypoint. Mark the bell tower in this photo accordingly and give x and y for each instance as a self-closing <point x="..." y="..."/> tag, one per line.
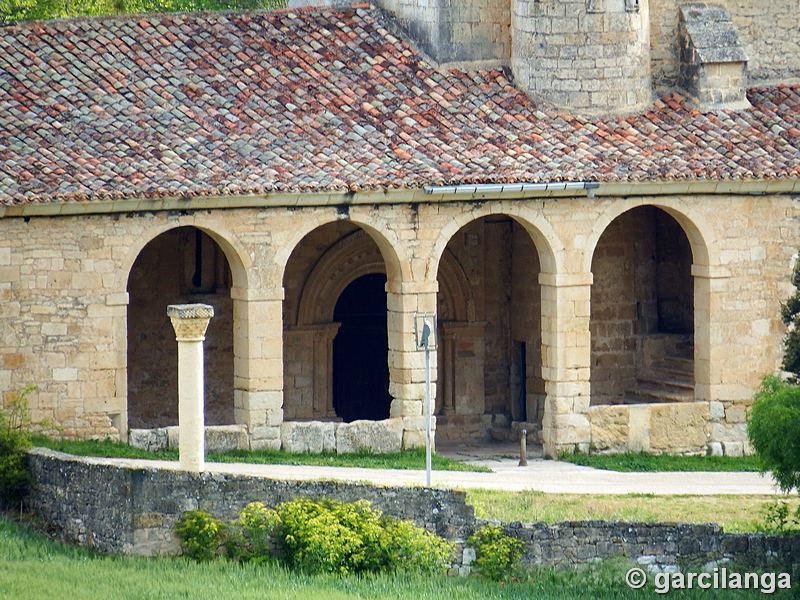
<point x="587" y="56"/>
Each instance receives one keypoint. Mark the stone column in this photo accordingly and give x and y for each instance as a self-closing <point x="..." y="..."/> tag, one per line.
<point x="258" y="364"/>
<point x="190" y="322"/>
<point x="566" y="360"/>
<point x="406" y="361"/>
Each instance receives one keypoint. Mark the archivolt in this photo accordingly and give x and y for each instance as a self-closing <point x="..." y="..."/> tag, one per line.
<point x="347" y="260"/>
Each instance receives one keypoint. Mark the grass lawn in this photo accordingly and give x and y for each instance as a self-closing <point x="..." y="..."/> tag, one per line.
<point x="645" y="462"/>
<point x="409" y="459"/>
<point x="33" y="567"/>
<point x="734" y="513"/>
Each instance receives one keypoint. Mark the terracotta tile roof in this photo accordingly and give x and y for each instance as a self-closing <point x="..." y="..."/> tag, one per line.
<point x="240" y="103"/>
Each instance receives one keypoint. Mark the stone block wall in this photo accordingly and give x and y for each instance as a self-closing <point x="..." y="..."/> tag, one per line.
<point x="101" y="504"/>
<point x="589" y="57"/>
<point x="768" y="31"/>
<point x="380" y="437"/>
<point x="679" y="428"/>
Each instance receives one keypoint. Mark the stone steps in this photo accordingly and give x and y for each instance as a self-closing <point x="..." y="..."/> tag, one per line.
<point x="669" y="380"/>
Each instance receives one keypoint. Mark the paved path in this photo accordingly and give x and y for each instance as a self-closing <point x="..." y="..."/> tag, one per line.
<point x="544" y="475"/>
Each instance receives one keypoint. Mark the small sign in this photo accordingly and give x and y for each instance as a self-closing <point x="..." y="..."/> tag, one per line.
<point x="425" y="330"/>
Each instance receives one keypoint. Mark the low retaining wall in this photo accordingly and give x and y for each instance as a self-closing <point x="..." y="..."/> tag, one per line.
<point x="117" y="508"/>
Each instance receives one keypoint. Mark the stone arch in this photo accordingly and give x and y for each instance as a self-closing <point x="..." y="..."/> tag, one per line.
<point x="396" y="264"/>
<point x="182" y="263"/>
<point x="644" y="315"/>
<point x="351" y="258"/>
<point x="548" y="245"/>
<point x="324" y="264"/>
<point x="694" y="226"/>
<point x="489" y="356"/>
<point x="238" y="259"/>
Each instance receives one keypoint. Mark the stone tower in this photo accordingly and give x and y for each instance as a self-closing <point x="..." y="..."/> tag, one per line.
<point x="588" y="56"/>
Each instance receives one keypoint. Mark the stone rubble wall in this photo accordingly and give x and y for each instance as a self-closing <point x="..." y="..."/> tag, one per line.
<point x="116" y="508"/>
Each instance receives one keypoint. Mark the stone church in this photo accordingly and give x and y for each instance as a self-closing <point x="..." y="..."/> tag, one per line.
<point x="595" y="199"/>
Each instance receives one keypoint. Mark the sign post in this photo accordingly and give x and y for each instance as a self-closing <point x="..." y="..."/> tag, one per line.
<point x="425" y="332"/>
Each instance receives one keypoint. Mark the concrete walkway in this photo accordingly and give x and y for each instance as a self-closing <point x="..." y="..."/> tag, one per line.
<point x="549" y="476"/>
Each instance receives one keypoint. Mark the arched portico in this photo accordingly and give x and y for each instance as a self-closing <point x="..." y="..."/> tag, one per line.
<point x="490" y="321"/>
<point x="325" y="264"/>
<point x="178" y="265"/>
<point x="651" y="324"/>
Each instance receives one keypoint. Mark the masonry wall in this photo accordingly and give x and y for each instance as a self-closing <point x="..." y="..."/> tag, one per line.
<point x="133" y="510"/>
<point x="65" y="303"/>
<point x="768" y="30"/>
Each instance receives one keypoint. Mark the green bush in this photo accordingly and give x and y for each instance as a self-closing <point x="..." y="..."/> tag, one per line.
<point x="250" y="538"/>
<point x="778" y="517"/>
<point x="325" y="536"/>
<point x="496" y="554"/>
<point x="201" y="534"/>
<point x="790" y="314"/>
<point x="410" y="548"/>
<point x="14" y="440"/>
<point x="774" y="430"/>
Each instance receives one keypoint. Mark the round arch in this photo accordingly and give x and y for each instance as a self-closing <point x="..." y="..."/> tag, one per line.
<point x="548" y="245"/>
<point x="349" y="259"/>
<point x="396" y="265"/>
<point x="182" y="262"/>
<point x="238" y="259"/>
<point x="696" y="229"/>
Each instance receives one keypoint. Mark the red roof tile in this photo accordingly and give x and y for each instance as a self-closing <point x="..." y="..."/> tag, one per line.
<point x="322" y="100"/>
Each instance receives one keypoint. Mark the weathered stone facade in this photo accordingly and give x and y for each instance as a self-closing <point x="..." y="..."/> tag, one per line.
<point x="602" y="56"/>
<point x="607" y="281"/>
<point x="67" y="311"/>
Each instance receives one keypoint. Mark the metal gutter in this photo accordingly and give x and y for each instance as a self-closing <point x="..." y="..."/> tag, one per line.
<point x="503" y="188"/>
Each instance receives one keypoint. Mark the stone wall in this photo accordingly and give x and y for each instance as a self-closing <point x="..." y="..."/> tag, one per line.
<point x="768" y="31"/>
<point x="681" y="428"/>
<point x="380" y="437"/>
<point x="132" y="510"/>
<point x="65" y="306"/>
<point x="113" y="508"/>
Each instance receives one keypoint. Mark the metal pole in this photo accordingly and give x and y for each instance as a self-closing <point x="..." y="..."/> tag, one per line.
<point x="428" y="412"/>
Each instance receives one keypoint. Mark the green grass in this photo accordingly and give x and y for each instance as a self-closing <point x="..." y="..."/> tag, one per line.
<point x="733" y="513"/>
<point x="33" y="567"/>
<point x="409" y="459"/>
<point x="646" y="462"/>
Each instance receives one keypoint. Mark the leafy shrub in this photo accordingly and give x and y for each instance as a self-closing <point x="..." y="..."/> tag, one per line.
<point x="325" y="536"/>
<point x="410" y="548"/>
<point x="774" y="430"/>
<point x="496" y="554"/>
<point x="328" y="536"/>
<point x="778" y="517"/>
<point x="790" y="314"/>
<point x="250" y="538"/>
<point x="14" y="440"/>
<point x="201" y="534"/>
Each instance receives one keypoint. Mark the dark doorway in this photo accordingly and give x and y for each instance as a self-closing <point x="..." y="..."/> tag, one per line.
<point x="361" y="351"/>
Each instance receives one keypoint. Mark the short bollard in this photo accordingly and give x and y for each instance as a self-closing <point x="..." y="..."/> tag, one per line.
<point x="523" y="448"/>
